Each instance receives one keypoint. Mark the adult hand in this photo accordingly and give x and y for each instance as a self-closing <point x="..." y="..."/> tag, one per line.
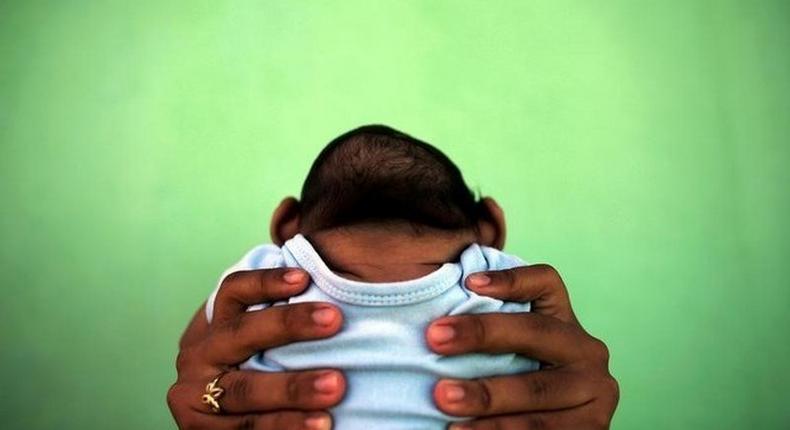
<point x="255" y="400"/>
<point x="573" y="389"/>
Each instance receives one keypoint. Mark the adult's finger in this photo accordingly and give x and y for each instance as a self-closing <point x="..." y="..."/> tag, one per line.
<point x="532" y="335"/>
<point x="242" y="289"/>
<point x="539" y="283"/>
<point x="251" y="391"/>
<point x="526" y="392"/>
<point x="181" y="401"/>
<point x="239" y="338"/>
<point x="584" y="417"/>
<point x="296" y="420"/>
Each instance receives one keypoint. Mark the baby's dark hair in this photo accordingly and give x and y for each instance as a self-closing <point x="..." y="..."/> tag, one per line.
<point x="375" y="174"/>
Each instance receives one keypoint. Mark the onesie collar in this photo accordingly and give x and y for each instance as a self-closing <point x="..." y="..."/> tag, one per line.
<point x="370" y="293"/>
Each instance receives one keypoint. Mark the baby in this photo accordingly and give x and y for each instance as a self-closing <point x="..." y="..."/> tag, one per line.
<point x="388" y="231"/>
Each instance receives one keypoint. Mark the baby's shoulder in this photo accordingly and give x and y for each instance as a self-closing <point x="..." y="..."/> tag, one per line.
<point x="500" y="260"/>
<point x="264" y="256"/>
<point x="479" y="258"/>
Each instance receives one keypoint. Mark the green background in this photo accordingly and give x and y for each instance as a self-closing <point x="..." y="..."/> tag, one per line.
<point x="641" y="147"/>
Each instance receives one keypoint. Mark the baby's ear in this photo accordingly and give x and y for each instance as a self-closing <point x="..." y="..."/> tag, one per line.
<point x="286" y="221"/>
<point x="491" y="224"/>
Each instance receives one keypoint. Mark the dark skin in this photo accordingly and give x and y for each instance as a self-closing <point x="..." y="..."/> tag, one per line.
<point x="573" y="389"/>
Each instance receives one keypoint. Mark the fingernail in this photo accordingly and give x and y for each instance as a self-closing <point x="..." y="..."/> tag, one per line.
<point x="453" y="392"/>
<point x="460" y="426"/>
<point x="294" y="276"/>
<point x="327" y="383"/>
<point x="441" y="333"/>
<point x="317" y="422"/>
<point x="478" y="280"/>
<point x="324" y="316"/>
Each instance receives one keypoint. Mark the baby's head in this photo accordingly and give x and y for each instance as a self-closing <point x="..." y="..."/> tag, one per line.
<point x="375" y="177"/>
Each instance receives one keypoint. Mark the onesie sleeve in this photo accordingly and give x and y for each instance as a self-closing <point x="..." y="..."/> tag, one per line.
<point x="265" y="256"/>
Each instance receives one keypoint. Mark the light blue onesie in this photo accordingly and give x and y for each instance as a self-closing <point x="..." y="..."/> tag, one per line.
<point x="381" y="349"/>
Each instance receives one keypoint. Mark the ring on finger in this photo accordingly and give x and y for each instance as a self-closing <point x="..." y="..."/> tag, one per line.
<point x="213" y="393"/>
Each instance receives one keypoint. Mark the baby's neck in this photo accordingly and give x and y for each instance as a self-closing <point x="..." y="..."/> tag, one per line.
<point x="387" y="255"/>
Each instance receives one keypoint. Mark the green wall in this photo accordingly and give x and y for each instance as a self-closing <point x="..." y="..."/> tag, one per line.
<point x="639" y="146"/>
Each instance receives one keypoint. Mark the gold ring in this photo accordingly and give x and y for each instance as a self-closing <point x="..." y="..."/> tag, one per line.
<point x="213" y="393"/>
